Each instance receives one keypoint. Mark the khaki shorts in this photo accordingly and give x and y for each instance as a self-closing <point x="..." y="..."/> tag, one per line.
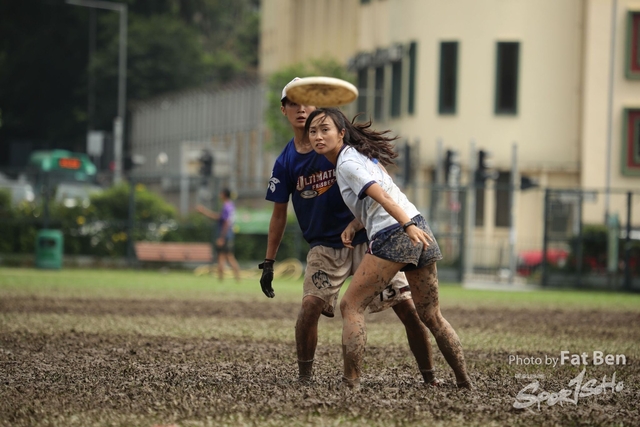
<point x="328" y="268"/>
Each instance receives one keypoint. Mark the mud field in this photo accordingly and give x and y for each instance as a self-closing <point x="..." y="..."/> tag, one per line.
<point x="61" y="377"/>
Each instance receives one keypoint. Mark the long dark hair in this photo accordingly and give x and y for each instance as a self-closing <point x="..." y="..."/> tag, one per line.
<point x="371" y="143"/>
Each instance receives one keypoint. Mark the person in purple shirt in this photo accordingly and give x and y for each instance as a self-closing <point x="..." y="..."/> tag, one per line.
<point x="225" y="240"/>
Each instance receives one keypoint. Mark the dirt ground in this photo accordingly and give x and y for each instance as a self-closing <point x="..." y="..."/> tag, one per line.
<point x="72" y="378"/>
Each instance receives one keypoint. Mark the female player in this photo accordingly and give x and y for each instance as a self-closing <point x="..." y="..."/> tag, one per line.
<point x="400" y="239"/>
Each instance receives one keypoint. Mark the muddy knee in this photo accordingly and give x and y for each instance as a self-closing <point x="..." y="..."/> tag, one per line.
<point x="347" y="306"/>
<point x="310" y="309"/>
<point x="407" y="313"/>
<point x="433" y="319"/>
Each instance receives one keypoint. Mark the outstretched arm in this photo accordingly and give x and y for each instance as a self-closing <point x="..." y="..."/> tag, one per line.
<point x="207" y="212"/>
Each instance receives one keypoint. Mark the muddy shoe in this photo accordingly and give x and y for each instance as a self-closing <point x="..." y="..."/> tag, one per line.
<point x="305" y="380"/>
<point x="349" y="385"/>
<point x="436" y="382"/>
<point x="305" y="372"/>
<point x="465" y="385"/>
<point x="430" y="378"/>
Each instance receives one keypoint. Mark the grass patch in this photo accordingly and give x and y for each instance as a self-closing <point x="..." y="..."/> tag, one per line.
<point x="184" y="285"/>
<point x="570" y="299"/>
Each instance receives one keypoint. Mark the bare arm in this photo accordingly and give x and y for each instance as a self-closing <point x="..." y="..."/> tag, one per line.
<point x="276" y="229"/>
<point x="207" y="212"/>
<point x="377" y="193"/>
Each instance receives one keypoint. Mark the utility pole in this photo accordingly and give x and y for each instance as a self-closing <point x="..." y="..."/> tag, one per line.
<point x="471" y="210"/>
<point x="513" y="182"/>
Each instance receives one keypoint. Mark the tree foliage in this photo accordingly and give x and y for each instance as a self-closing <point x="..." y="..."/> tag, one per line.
<point x="42" y="72"/>
<point x="278" y="125"/>
<point x="101" y="228"/>
<point x="172" y="45"/>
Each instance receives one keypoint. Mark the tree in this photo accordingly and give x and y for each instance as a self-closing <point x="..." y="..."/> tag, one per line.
<point x="163" y="55"/>
<point x="42" y="74"/>
<point x="172" y="45"/>
<point x="278" y="125"/>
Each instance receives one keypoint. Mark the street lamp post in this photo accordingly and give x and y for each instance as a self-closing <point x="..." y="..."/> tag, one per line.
<point x="119" y="121"/>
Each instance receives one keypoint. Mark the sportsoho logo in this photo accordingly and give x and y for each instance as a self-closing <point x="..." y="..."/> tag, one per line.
<point x="578" y="387"/>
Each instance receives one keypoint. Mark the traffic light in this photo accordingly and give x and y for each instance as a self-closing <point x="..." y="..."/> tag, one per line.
<point x="206" y="164"/>
<point x="133" y="160"/>
<point x="484" y="171"/>
<point x="527" y="183"/>
<point x="128" y="163"/>
<point x="452" y="167"/>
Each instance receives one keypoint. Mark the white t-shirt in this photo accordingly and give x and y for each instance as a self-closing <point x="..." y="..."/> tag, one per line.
<point x="355" y="173"/>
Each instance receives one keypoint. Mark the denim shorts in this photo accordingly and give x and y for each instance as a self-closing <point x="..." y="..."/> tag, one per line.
<point x="393" y="244"/>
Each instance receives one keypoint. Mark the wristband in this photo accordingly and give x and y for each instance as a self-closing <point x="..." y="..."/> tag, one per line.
<point x="266" y="262"/>
<point x="408" y="224"/>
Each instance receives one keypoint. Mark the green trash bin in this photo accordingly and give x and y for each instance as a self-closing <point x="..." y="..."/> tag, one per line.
<point x="49" y="249"/>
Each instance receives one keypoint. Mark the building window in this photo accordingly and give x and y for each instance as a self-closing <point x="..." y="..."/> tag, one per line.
<point x="561" y="213"/>
<point x="632" y="69"/>
<point x="506" y="101"/>
<point x="631" y="142"/>
<point x="379" y="93"/>
<point x="396" y="88"/>
<point x="448" y="77"/>
<point x="503" y="182"/>
<point x="411" y="107"/>
<point x="363" y="89"/>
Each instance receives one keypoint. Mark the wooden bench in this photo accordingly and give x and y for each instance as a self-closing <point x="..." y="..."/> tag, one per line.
<point x="174" y="252"/>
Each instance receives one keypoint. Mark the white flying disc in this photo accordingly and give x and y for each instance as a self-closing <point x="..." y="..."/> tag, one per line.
<point x="321" y="91"/>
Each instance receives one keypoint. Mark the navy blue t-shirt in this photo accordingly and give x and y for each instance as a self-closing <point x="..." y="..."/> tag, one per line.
<point x="310" y="179"/>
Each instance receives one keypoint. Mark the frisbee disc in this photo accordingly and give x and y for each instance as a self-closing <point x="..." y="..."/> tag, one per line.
<point x="321" y="91"/>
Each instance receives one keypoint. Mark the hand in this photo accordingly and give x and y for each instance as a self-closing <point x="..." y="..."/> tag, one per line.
<point x="267" y="277"/>
<point x="417" y="235"/>
<point x="347" y="236"/>
<point x="350" y="231"/>
<point x="220" y="241"/>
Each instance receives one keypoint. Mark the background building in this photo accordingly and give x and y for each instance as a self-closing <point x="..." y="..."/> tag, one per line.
<point x="174" y="134"/>
<point x="558" y="79"/>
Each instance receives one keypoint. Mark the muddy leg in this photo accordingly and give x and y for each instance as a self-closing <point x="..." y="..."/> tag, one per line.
<point x="307" y="336"/>
<point x="370" y="279"/>
<point x="424" y="288"/>
<point x="418" y="337"/>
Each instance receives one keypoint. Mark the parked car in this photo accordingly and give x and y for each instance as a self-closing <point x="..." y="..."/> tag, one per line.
<point x="530" y="261"/>
<point x="72" y="194"/>
<point x="20" y="190"/>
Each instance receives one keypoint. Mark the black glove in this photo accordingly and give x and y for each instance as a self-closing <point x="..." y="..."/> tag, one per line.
<point x="267" y="277"/>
